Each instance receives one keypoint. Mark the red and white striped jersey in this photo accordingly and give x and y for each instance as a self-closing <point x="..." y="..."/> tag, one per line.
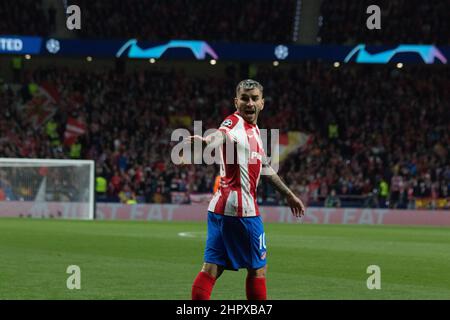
<point x="240" y="169"/>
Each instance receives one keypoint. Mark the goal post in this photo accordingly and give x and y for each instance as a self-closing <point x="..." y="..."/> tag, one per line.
<point x="47" y="188"/>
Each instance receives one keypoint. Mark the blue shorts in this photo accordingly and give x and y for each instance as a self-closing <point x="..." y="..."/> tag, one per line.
<point x="234" y="242"/>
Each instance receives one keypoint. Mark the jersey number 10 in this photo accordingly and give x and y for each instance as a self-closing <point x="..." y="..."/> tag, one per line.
<point x="262" y="241"/>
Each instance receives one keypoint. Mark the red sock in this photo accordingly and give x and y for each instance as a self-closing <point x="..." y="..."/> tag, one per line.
<point x="256" y="288"/>
<point x="203" y="285"/>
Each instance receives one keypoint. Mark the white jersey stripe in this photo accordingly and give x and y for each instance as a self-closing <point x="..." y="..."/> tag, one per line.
<point x="214" y="200"/>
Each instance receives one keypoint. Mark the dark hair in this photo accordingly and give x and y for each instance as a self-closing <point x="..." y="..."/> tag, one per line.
<point x="249" y="84"/>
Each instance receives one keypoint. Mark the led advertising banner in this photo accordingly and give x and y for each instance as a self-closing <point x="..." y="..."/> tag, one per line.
<point x="11" y="44"/>
<point x="203" y="50"/>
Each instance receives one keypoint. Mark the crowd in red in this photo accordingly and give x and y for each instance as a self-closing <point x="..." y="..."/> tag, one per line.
<point x="370" y="126"/>
<point x="379" y="134"/>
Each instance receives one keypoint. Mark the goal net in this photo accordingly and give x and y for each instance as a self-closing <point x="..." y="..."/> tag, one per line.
<point x="47" y="188"/>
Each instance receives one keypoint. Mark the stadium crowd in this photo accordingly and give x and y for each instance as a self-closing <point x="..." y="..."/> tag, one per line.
<point x="402" y="21"/>
<point x="26" y="17"/>
<point x="265" y="21"/>
<point x="218" y="20"/>
<point x="378" y="133"/>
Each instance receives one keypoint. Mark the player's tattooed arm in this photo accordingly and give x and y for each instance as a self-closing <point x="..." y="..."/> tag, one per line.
<point x="296" y="205"/>
<point x="276" y="181"/>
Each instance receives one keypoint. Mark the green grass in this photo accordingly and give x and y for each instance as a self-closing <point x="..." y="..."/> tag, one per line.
<point x="149" y="260"/>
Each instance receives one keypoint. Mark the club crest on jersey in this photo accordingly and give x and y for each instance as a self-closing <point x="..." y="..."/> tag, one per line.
<point x="227" y="123"/>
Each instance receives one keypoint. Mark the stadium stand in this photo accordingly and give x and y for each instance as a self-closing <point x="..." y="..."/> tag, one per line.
<point x="218" y="20"/>
<point x="265" y="21"/>
<point x="402" y="21"/>
<point x="25" y="17"/>
<point x="370" y="129"/>
<point x="379" y="134"/>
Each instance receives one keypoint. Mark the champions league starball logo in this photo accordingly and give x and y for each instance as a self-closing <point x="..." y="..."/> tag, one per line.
<point x="227" y="123"/>
<point x="52" y="46"/>
<point x="281" y="52"/>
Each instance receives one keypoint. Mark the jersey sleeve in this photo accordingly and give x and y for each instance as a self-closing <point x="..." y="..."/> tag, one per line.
<point x="229" y="123"/>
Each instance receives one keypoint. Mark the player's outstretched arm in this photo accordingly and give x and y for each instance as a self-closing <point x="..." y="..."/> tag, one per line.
<point x="213" y="140"/>
<point x="296" y="205"/>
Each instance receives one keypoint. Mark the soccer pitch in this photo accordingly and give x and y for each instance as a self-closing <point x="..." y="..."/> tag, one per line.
<point x="159" y="260"/>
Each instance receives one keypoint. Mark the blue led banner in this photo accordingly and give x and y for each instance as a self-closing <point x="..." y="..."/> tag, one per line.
<point x="428" y="53"/>
<point x="201" y="50"/>
<point x="20" y="45"/>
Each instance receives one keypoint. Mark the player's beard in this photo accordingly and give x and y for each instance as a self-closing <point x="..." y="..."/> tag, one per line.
<point x="250" y="117"/>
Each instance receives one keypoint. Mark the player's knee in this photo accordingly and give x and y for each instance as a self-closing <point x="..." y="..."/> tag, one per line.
<point x="257" y="273"/>
<point x="212" y="269"/>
